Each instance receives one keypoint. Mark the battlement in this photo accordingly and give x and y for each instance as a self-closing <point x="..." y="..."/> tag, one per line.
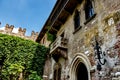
<point x="20" y="32"/>
<point x="8" y="28"/>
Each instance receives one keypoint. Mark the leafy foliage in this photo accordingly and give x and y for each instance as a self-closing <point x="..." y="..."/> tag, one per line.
<point x="20" y="56"/>
<point x="34" y="76"/>
<point x="50" y="37"/>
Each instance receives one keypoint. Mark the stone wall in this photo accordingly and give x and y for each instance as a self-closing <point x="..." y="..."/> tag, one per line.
<point x="20" y="33"/>
<point x="44" y="41"/>
<point x="105" y="27"/>
<point x="102" y="32"/>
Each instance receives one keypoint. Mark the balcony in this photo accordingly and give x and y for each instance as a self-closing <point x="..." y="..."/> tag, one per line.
<point x="59" y="47"/>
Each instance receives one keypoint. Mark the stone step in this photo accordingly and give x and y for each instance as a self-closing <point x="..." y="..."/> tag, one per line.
<point x="116" y="78"/>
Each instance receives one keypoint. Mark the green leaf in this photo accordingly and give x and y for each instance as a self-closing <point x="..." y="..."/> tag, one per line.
<point x="20" y="55"/>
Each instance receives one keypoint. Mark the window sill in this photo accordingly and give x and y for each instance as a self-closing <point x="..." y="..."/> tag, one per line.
<point x="89" y="19"/>
<point x="76" y="30"/>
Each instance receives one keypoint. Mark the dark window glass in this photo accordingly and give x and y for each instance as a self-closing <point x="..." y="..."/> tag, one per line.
<point x="89" y="11"/>
<point x="77" y="19"/>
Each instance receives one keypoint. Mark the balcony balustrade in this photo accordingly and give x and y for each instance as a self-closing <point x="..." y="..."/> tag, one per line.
<point x="59" y="48"/>
<point x="59" y="44"/>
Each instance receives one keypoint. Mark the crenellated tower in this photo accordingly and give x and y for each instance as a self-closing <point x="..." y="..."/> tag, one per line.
<point x="9" y="29"/>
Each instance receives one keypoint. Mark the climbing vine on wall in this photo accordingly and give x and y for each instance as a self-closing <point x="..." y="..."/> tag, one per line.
<point x="50" y="37"/>
<point x="21" y="58"/>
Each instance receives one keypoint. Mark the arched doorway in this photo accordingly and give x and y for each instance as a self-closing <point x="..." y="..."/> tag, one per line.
<point x="80" y="67"/>
<point x="81" y="72"/>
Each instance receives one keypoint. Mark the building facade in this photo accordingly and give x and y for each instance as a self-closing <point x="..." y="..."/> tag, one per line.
<point x="87" y="44"/>
<point x="10" y="30"/>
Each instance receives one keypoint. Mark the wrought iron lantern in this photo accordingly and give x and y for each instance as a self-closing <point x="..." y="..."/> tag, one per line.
<point x="100" y="55"/>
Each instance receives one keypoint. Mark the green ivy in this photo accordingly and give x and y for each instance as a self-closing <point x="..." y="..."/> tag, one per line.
<point x="50" y="37"/>
<point x="34" y="76"/>
<point x="20" y="56"/>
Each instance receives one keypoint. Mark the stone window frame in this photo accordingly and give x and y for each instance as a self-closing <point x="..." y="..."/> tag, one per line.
<point x="89" y="11"/>
<point x="77" y="21"/>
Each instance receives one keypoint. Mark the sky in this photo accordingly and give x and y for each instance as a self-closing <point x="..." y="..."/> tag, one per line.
<point x="29" y="14"/>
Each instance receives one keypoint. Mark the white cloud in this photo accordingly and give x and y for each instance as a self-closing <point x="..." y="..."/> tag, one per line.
<point x="2" y="28"/>
<point x="15" y="30"/>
